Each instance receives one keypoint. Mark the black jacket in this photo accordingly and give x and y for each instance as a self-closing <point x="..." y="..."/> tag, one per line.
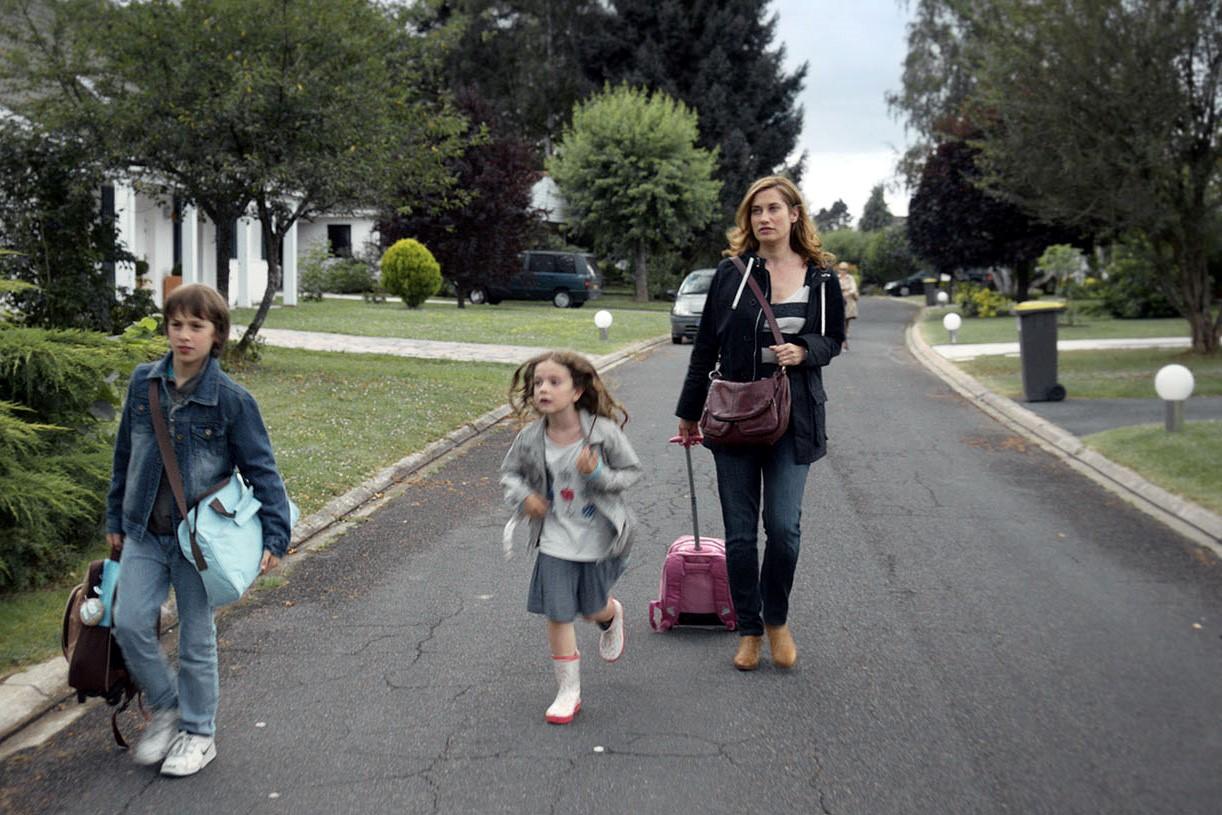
<point x="730" y="340"/>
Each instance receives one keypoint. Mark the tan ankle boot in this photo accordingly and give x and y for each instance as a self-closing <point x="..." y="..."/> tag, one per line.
<point x="748" y="656"/>
<point x="781" y="645"/>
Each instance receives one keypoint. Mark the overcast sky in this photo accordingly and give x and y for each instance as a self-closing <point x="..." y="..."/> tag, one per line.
<point x="855" y="51"/>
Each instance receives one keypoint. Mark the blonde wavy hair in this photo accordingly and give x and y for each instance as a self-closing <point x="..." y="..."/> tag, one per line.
<point x="595" y="398"/>
<point x="803" y="238"/>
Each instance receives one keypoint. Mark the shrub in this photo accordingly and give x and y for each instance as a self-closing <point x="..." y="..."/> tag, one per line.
<point x="313" y="280"/>
<point x="410" y="272"/>
<point x="979" y="301"/>
<point x="132" y="307"/>
<point x="58" y="391"/>
<point x="349" y="276"/>
<point x="1132" y="289"/>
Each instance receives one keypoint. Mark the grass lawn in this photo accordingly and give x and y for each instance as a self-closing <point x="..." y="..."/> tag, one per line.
<point x="334" y="420"/>
<point x="1183" y="463"/>
<point x="1005" y="329"/>
<point x="1123" y="374"/>
<point x="510" y="323"/>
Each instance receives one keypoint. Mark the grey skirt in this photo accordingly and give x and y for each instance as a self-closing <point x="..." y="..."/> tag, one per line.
<point x="562" y="589"/>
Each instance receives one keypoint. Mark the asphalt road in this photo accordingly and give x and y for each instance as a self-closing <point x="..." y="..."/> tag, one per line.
<point x="980" y="630"/>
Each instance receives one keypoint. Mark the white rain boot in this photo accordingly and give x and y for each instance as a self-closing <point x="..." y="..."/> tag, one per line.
<point x="568" y="698"/>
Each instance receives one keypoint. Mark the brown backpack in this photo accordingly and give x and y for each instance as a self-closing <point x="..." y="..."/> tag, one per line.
<point x="95" y="662"/>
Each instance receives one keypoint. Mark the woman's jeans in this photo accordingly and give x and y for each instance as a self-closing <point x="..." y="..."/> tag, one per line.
<point x="149" y="567"/>
<point x="740" y="471"/>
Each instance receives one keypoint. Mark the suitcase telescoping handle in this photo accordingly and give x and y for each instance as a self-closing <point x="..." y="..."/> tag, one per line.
<point x="691" y="482"/>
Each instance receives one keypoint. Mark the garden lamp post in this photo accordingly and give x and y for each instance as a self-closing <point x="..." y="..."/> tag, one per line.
<point x="1174" y="384"/>
<point x="951" y="323"/>
<point x="603" y="319"/>
<point x="943" y="298"/>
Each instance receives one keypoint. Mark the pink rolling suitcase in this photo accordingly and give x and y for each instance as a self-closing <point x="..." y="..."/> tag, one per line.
<point x="694" y="589"/>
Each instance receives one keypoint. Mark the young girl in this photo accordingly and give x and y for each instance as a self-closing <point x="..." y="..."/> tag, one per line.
<point x="215" y="426"/>
<point x="566" y="472"/>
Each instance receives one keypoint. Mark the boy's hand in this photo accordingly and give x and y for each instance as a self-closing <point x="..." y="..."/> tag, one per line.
<point x="115" y="541"/>
<point x="535" y="505"/>
<point x="587" y="461"/>
<point x="269" y="562"/>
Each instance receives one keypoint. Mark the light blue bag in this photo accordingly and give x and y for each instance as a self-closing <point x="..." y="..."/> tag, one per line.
<point x="229" y="539"/>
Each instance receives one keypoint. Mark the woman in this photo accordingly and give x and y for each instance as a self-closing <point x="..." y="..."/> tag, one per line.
<point x="772" y="226"/>
<point x="848" y="288"/>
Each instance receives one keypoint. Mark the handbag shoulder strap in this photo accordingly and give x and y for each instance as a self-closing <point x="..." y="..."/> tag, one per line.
<point x="173" y="475"/>
<point x="759" y="295"/>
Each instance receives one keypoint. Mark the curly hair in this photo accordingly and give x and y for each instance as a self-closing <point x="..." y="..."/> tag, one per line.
<point x="595" y="398"/>
<point x="803" y="238"/>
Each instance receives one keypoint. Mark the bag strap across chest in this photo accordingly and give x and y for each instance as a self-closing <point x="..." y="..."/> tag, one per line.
<point x="173" y="474"/>
<point x="765" y="306"/>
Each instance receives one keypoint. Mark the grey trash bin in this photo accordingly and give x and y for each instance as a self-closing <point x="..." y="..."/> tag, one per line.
<point x="931" y="290"/>
<point x="1037" y="345"/>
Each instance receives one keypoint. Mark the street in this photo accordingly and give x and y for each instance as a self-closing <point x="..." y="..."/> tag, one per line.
<point x="980" y="630"/>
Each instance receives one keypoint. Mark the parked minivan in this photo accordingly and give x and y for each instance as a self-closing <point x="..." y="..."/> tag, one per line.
<point x="568" y="279"/>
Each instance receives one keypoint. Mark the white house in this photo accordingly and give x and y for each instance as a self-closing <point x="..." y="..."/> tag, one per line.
<point x="172" y="236"/>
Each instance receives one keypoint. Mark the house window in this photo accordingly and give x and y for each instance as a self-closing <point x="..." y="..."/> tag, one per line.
<point x="339" y="236"/>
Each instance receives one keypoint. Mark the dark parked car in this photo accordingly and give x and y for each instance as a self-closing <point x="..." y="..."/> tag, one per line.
<point x="568" y="279"/>
<point x="689" y="303"/>
<point x="907" y="285"/>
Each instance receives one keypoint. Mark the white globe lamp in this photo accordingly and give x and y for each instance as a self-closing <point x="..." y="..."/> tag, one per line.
<point x="603" y="320"/>
<point x="1174" y="384"/>
<point x="952" y="322"/>
<point x="943" y="298"/>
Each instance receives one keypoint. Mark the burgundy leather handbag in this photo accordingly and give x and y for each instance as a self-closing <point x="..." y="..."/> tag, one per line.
<point x="748" y="413"/>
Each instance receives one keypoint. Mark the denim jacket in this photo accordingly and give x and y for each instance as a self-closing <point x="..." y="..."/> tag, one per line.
<point x="216" y="429"/>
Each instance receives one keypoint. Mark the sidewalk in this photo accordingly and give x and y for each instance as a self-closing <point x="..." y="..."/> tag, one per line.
<point x="1189" y="519"/>
<point x="422" y="349"/>
<point x="963" y="352"/>
<point x="28" y="700"/>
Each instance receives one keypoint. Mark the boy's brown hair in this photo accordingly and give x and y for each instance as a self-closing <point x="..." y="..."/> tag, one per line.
<point x="200" y="300"/>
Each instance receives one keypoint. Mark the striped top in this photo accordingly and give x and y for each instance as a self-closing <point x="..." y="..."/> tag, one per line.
<point x="790" y="316"/>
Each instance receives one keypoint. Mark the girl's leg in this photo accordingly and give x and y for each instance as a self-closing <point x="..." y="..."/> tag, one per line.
<point x="561" y="638"/>
<point x="198" y="675"/>
<point x="566" y="665"/>
<point x="606" y="615"/>
<point x="144" y="582"/>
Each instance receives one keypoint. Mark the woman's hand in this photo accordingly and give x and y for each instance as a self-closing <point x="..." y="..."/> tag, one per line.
<point x="269" y="562"/>
<point x="789" y="354"/>
<point x="688" y="430"/>
<point x="535" y="505"/>
<point x="115" y="541"/>
<point x="587" y="461"/>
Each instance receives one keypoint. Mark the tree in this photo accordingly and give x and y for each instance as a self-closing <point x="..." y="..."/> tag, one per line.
<point x="875" y="214"/>
<point x="888" y="256"/>
<point x="479" y="242"/>
<point x="1120" y="102"/>
<point x="717" y="57"/>
<point x="632" y="175"/>
<point x="953" y="223"/>
<point x="838" y="217"/>
<point x="532" y="60"/>
<point x="51" y="221"/>
<point x="297" y="108"/>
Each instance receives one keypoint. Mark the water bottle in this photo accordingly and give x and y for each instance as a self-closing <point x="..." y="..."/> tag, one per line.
<point x="92" y="611"/>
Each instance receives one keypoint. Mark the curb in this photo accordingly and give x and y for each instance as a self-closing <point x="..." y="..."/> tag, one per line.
<point x="27" y="696"/>
<point x="1191" y="520"/>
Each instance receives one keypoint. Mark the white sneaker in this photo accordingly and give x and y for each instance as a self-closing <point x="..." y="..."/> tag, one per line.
<point x="611" y="641"/>
<point x="155" y="742"/>
<point x="189" y="754"/>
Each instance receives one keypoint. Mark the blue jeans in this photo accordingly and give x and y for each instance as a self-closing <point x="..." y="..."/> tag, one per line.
<point x="150" y="565"/>
<point x="740" y="473"/>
